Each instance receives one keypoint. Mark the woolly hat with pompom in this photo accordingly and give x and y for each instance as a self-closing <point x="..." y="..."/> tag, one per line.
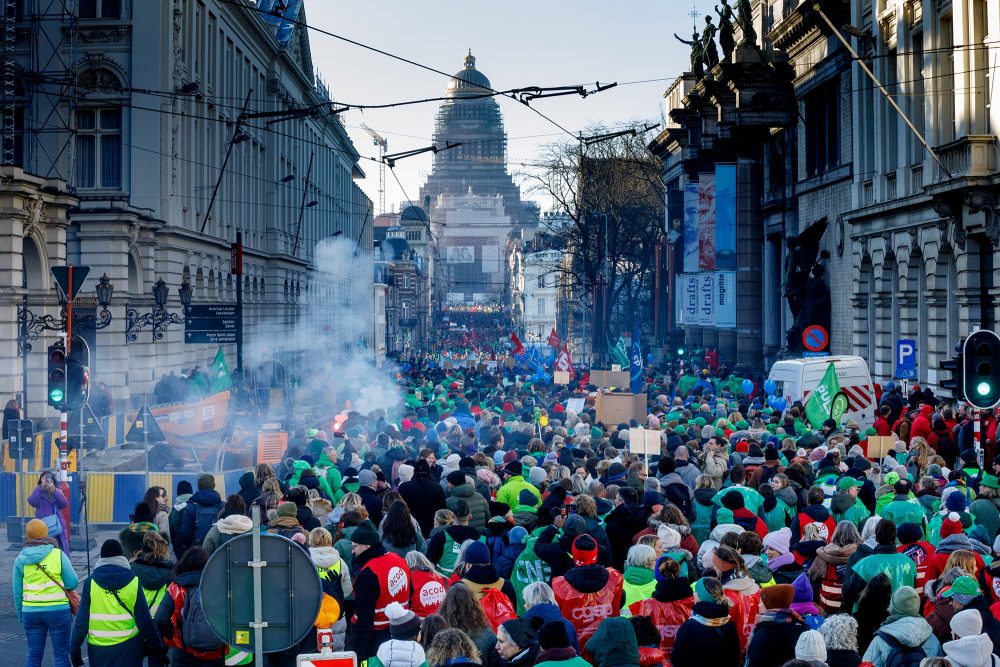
<point x="952" y="524"/>
<point x="403" y="623"/>
<point x="810" y="646"/>
<point x="955" y="501"/>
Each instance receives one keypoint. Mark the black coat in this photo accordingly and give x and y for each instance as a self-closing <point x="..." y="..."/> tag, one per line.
<point x="772" y="642"/>
<point x="373" y="503"/>
<point x="424" y="497"/>
<point x="836" y="657"/>
<point x="699" y="645"/>
<point x="621" y="526"/>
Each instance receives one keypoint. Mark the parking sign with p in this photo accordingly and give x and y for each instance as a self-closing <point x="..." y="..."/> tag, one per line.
<point x="906" y="359"/>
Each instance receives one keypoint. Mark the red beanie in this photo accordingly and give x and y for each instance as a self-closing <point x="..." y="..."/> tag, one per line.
<point x="742" y="447"/>
<point x="584" y="550"/>
<point x="952" y="525"/>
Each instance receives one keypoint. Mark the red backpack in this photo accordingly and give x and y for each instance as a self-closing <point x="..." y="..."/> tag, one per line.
<point x="498" y="607"/>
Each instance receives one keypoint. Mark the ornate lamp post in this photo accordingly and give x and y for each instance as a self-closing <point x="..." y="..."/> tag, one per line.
<point x="158" y="319"/>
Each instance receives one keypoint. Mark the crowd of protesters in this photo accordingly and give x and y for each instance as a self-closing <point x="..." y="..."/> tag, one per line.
<point x="483" y="522"/>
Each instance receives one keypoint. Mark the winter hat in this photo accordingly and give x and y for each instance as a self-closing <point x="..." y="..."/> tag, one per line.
<point x="803" y="589"/>
<point x="816" y="455"/>
<point x="517" y="535"/>
<point x="742" y="447"/>
<point x="669" y="538"/>
<point x="537" y="475"/>
<point x="287" y="509"/>
<point x="909" y="532"/>
<point x="854" y="451"/>
<point x="456" y="478"/>
<point x="584" y="550"/>
<point x="477" y="553"/>
<point x="520" y="631"/>
<point x="967" y="622"/>
<point x="810" y="646"/>
<point x="509" y="456"/>
<point x="892" y="478"/>
<point x="366" y="477"/>
<point x="403" y="623"/>
<point x="498" y="458"/>
<point x="401" y="653"/>
<point x="952" y="525"/>
<point x="771" y="454"/>
<point x="405" y="472"/>
<point x="553" y="635"/>
<point x="206" y="482"/>
<point x="527" y="498"/>
<point x="955" y="501"/>
<point x="779" y="540"/>
<point x="905" y="602"/>
<point x="513" y="468"/>
<point x="733" y="501"/>
<point x="575" y="525"/>
<point x="111" y="549"/>
<point x="36" y="530"/>
<point x="988" y="481"/>
<point x="779" y="596"/>
<point x="366" y="533"/>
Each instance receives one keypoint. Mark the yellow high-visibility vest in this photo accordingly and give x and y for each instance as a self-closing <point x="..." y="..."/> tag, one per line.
<point x="109" y="623"/>
<point x="37" y="590"/>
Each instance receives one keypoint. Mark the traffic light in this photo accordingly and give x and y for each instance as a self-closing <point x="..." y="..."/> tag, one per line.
<point x="953" y="366"/>
<point x="981" y="369"/>
<point x="77" y="384"/>
<point x="57" y="376"/>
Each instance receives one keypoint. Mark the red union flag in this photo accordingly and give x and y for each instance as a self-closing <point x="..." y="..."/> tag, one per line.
<point x="518" y="347"/>
<point x="564" y="362"/>
<point x="554" y="339"/>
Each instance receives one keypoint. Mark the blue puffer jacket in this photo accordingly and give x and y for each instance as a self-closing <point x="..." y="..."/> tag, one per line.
<point x="909" y="631"/>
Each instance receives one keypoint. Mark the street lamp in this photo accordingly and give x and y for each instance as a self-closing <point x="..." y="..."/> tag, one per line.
<point x="158" y="319"/>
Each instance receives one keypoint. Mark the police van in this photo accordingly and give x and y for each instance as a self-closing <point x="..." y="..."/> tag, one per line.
<point x="796" y="378"/>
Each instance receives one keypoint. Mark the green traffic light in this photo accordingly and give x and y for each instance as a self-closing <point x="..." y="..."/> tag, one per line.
<point x="57" y="395"/>
<point x="983" y="388"/>
<point x="680" y="351"/>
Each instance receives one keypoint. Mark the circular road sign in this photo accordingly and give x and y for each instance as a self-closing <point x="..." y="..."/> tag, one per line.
<point x="290" y="592"/>
<point x="815" y="338"/>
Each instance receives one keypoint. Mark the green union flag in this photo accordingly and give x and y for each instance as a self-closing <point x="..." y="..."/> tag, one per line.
<point x="220" y="373"/>
<point x="820" y="401"/>
<point x="619" y="353"/>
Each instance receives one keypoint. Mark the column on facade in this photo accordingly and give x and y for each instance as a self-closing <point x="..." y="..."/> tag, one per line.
<point x="772" y="298"/>
<point x="884" y="342"/>
<point x="749" y="251"/>
<point x="11" y="264"/>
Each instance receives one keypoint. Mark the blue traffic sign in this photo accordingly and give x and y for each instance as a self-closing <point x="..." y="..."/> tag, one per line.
<point x="906" y="359"/>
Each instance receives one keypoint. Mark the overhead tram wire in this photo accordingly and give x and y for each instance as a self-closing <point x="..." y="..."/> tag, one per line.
<point x="237" y="3"/>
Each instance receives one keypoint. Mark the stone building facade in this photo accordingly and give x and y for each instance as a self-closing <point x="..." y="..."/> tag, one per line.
<point x="127" y="113"/>
<point x="908" y="235"/>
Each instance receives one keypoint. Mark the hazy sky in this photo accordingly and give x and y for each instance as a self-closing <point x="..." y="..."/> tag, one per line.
<point x="517" y="43"/>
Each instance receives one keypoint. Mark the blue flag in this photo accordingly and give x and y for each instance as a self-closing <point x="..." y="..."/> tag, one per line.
<point x="636" y="361"/>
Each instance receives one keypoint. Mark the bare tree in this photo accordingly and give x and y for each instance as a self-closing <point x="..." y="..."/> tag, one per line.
<point x="617" y="178"/>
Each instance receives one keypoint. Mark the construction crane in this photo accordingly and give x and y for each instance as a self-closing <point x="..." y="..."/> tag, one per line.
<point x="383" y="145"/>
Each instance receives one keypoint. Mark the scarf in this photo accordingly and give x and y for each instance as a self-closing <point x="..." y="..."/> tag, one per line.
<point x="782" y="560"/>
<point x="831" y="554"/>
<point x="710" y="622"/>
<point x="51" y="541"/>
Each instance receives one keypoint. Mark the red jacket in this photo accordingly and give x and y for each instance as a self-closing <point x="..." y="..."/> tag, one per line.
<point x="922" y="423"/>
<point x="666" y="616"/>
<point x="920" y="553"/>
<point x="427" y="592"/>
<point x="586" y="610"/>
<point x="882" y="427"/>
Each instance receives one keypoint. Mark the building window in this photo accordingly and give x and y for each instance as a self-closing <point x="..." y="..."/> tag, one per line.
<point x="100" y="9"/>
<point x="541" y="306"/>
<point x="541" y="282"/>
<point x="822" y="122"/>
<point x="99" y="148"/>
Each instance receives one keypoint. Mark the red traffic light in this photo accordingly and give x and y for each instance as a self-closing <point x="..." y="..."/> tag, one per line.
<point x="57" y="356"/>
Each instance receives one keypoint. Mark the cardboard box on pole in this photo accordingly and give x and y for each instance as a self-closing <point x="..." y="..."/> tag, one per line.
<point x="606" y="379"/>
<point x="613" y="409"/>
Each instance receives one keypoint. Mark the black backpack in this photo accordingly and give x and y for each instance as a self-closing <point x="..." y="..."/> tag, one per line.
<point x="901" y="655"/>
<point x="204" y="519"/>
<point x="196" y="633"/>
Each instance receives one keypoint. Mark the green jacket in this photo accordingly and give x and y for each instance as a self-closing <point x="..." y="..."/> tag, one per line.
<point x="855" y="512"/>
<point x="904" y="511"/>
<point x="751" y="498"/>
<point x="572" y="662"/>
<point x="301" y="466"/>
<point x="779" y="517"/>
<point x="333" y="476"/>
<point x="639" y="584"/>
<point x="987" y="514"/>
<point x="898" y="567"/>
<point x="528" y="569"/>
<point x="512" y="488"/>
<point x="882" y="501"/>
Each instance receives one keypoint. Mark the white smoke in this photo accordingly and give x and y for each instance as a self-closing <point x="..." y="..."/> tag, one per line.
<point x="331" y="335"/>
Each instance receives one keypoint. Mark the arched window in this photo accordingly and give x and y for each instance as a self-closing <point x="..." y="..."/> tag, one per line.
<point x="99" y="131"/>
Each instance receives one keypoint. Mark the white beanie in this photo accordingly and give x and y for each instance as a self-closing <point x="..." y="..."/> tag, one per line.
<point x="810" y="646"/>
<point x="669" y="538"/>
<point x="967" y="622"/>
<point x="537" y="475"/>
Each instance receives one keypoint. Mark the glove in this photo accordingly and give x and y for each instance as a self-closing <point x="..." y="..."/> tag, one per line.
<point x="76" y="659"/>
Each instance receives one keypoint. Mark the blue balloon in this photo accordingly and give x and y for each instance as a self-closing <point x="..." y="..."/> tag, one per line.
<point x="747" y="386"/>
<point x="779" y="404"/>
<point x="770" y="386"/>
<point x="649" y="359"/>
